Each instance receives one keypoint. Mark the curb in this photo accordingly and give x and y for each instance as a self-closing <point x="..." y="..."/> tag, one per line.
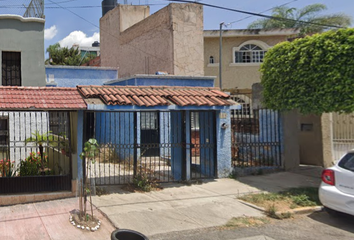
<point x="301" y="210"/>
<point x="252" y="205"/>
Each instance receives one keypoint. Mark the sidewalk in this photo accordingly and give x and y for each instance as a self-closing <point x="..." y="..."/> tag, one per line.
<point x="178" y="207"/>
<point x="175" y="208"/>
<point x="46" y="220"/>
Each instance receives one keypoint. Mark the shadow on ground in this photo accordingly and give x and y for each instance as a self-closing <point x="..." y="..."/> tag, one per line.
<point x="340" y="221"/>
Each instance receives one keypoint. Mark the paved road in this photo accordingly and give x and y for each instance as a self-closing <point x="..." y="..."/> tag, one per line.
<point x="312" y="227"/>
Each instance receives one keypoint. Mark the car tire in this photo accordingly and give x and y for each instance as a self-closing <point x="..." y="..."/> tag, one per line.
<point x="332" y="212"/>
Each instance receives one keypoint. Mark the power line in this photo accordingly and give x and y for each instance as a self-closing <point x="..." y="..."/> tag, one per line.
<point x="255" y="14"/>
<point x="282" y="5"/>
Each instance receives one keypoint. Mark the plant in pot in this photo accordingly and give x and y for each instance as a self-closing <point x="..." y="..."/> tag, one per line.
<point x="41" y="140"/>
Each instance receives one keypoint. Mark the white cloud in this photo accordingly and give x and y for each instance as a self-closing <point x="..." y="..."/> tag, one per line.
<point x="80" y="38"/>
<point x="50" y="33"/>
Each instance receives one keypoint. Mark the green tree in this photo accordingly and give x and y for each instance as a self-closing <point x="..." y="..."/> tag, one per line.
<point x="314" y="74"/>
<point x="65" y="56"/>
<point x="310" y="13"/>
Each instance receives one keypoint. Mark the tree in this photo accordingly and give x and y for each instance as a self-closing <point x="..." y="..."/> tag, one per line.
<point x="65" y="56"/>
<point x="314" y="74"/>
<point x="310" y="13"/>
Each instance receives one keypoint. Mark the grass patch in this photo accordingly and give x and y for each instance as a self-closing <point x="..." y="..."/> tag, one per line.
<point x="285" y="200"/>
<point x="246" y="222"/>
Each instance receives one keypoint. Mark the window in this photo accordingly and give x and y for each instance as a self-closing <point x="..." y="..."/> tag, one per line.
<point x="195" y="120"/>
<point x="250" y="52"/>
<point x="347" y="162"/>
<point x="4" y="130"/>
<point x="148" y="120"/>
<point x="11" y="68"/>
<point x="211" y="59"/>
<point x="58" y="123"/>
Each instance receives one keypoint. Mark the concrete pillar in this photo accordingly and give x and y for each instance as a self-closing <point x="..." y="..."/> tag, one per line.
<point x="327" y="139"/>
<point x="79" y="145"/>
<point x="290" y="140"/>
<point x="223" y="143"/>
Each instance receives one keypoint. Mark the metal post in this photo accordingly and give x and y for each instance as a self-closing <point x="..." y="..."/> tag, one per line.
<point x="220" y="57"/>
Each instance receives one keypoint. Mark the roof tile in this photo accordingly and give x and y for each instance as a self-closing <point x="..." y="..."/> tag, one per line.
<point x="42" y="98"/>
<point x="156" y="95"/>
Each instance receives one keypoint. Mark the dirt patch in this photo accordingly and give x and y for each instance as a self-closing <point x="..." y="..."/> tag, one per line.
<point x="284" y="201"/>
<point x="246" y="222"/>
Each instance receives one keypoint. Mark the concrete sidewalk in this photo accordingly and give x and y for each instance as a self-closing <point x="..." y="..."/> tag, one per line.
<point x="178" y="207"/>
<point x="47" y="220"/>
<point x="175" y="208"/>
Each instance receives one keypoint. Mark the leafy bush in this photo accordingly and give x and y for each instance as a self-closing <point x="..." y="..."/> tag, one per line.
<point x="31" y="165"/>
<point x="314" y="74"/>
<point x="142" y="182"/>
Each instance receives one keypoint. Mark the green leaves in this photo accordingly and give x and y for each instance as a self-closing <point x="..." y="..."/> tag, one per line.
<point x="309" y="13"/>
<point x="65" y="56"/>
<point x="313" y="74"/>
<point x="90" y="150"/>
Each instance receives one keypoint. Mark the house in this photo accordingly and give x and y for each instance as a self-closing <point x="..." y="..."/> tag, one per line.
<point x="93" y="51"/>
<point x="39" y="116"/>
<point x="168" y="133"/>
<point x="242" y="54"/>
<point x="22" y="51"/>
<point x="170" y="40"/>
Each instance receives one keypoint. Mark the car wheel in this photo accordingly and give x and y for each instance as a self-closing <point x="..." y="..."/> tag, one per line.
<point x="332" y="212"/>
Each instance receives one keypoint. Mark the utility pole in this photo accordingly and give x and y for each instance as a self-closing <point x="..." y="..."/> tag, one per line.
<point x="220" y="54"/>
<point x="220" y="57"/>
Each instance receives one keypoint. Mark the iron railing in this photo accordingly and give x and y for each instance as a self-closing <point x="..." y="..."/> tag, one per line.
<point x="154" y="144"/>
<point x="35" y="151"/>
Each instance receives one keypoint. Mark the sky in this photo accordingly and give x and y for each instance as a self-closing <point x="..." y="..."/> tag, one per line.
<point x="77" y="21"/>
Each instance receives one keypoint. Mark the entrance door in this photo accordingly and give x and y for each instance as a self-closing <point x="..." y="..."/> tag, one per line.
<point x="203" y="145"/>
<point x="150" y="134"/>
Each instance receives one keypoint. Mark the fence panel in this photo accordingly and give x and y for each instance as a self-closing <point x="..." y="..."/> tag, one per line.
<point x="35" y="152"/>
<point x="343" y="134"/>
<point x="256" y="136"/>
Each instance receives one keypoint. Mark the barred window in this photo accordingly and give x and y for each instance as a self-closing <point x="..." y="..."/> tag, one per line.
<point x="11" y="68"/>
<point x="249" y="53"/>
<point x="4" y="131"/>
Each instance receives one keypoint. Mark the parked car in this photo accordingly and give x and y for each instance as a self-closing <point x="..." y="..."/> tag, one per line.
<point x="336" y="192"/>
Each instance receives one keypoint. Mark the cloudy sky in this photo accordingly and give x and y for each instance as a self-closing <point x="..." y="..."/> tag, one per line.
<point x="77" y="21"/>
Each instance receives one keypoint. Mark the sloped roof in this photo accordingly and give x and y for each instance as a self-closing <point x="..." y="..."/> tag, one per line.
<point x="41" y="98"/>
<point x="150" y="96"/>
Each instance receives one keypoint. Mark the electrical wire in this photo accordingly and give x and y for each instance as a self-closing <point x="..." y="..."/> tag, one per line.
<point x="282" y="5"/>
<point x="256" y="14"/>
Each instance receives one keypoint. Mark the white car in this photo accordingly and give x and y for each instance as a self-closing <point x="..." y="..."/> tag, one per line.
<point x="336" y="192"/>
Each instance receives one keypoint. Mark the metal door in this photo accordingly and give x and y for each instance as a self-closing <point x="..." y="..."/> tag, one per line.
<point x="150" y="134"/>
<point x="203" y="145"/>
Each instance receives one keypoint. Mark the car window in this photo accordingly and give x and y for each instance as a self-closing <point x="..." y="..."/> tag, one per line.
<point x="347" y="162"/>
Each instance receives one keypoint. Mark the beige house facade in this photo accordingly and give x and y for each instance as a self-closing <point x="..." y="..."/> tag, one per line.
<point x="170" y="40"/>
<point x="242" y="55"/>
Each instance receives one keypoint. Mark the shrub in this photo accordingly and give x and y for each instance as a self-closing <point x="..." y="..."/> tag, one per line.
<point x="7" y="168"/>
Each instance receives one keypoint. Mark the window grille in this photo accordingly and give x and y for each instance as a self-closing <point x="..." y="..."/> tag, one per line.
<point x="249" y="53"/>
<point x="11" y="68"/>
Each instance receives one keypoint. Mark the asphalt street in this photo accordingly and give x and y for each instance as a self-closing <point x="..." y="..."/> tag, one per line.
<point x="318" y="225"/>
